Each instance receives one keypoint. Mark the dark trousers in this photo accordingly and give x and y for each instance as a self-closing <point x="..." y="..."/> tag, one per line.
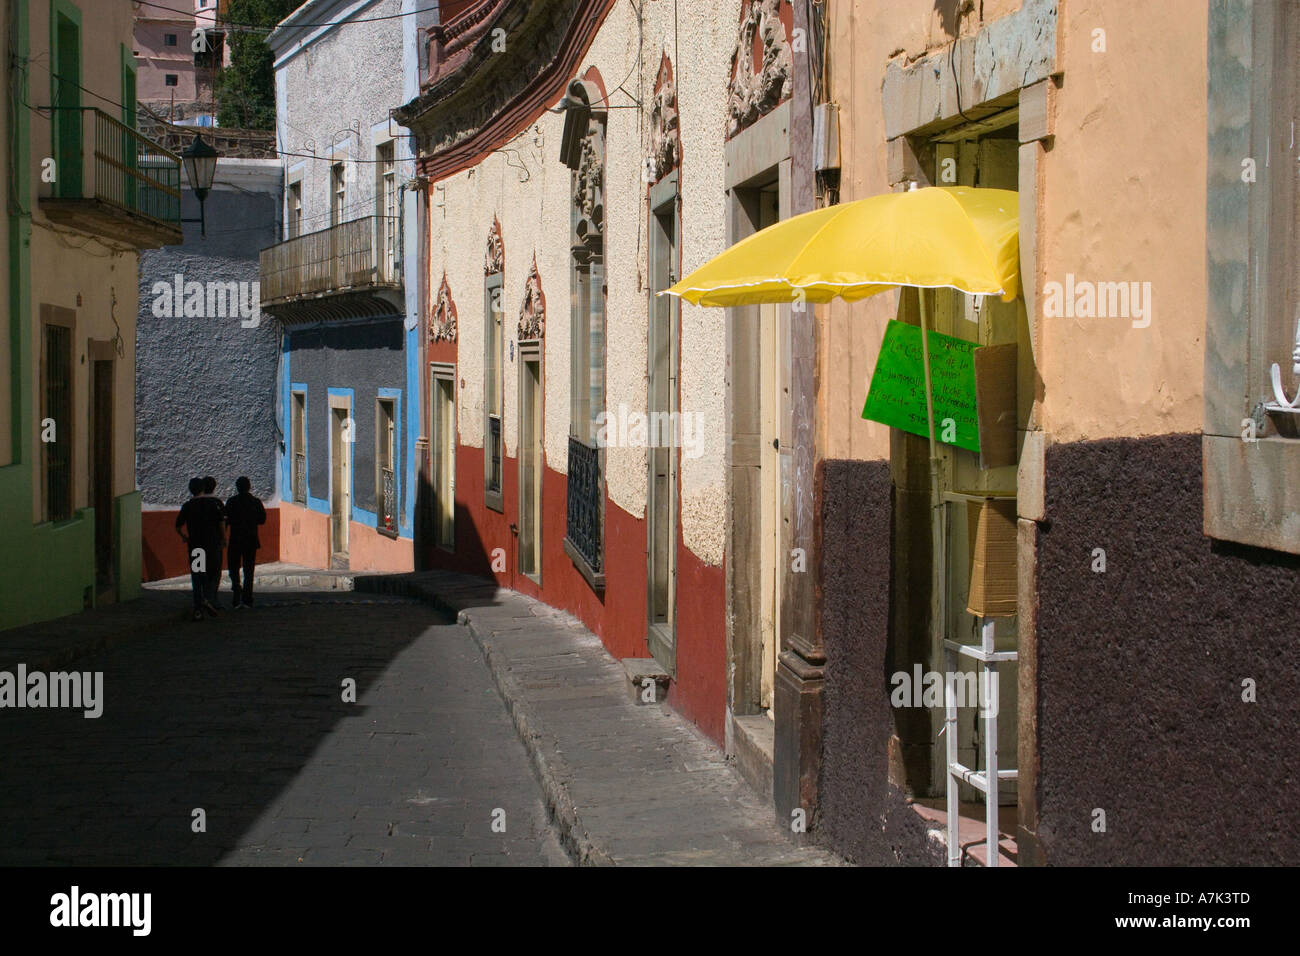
<point x="203" y="584"/>
<point x="242" y="556"/>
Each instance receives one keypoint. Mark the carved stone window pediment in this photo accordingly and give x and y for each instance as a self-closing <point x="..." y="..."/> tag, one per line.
<point x="665" y="138"/>
<point x="495" y="260"/>
<point x="754" y="92"/>
<point x="442" y="326"/>
<point x="532" y="314"/>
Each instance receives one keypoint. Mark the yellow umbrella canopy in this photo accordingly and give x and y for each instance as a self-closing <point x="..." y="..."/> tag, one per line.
<point x="956" y="237"/>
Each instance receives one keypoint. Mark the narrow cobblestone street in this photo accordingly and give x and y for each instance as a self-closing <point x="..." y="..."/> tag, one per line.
<point x="243" y="718"/>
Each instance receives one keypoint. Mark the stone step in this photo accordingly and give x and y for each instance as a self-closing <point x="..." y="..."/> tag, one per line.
<point x="647" y="680"/>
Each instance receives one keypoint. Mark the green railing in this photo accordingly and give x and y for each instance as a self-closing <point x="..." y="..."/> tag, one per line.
<point x="118" y="165"/>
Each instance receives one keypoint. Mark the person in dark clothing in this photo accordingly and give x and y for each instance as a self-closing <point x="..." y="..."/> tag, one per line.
<point x="201" y="525"/>
<point x="244" y="512"/>
<point x="214" y="570"/>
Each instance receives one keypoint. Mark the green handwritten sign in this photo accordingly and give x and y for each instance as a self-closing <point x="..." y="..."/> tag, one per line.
<point x="897" y="394"/>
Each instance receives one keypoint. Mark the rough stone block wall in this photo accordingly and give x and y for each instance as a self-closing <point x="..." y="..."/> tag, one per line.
<point x="206" y="387"/>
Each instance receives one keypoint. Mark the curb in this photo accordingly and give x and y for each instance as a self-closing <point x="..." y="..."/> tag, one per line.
<point x="548" y="766"/>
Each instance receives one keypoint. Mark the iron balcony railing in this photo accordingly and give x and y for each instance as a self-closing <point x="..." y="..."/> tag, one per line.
<point x="99" y="157"/>
<point x="494" y="453"/>
<point x="300" y="477"/>
<point x="350" y="256"/>
<point x="582" y="527"/>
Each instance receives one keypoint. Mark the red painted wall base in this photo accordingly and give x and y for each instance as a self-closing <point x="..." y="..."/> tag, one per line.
<point x="163" y="552"/>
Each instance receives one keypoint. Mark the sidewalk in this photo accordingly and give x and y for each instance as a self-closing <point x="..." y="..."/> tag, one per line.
<point x="626" y="784"/>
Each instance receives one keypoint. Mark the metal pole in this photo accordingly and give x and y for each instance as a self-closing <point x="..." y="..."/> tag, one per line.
<point x="990" y="748"/>
<point x="940" y="560"/>
<point x="950" y="749"/>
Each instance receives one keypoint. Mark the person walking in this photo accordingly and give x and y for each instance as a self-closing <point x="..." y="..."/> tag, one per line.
<point x="244" y="512"/>
<point x="214" y="570"/>
<point x="201" y="525"/>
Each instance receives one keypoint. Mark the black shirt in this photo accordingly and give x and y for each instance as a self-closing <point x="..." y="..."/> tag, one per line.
<point x="245" y="512"/>
<point x="202" y="517"/>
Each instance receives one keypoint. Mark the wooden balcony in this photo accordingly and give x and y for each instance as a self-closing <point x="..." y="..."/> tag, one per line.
<point x="349" y="270"/>
<point x="111" y="181"/>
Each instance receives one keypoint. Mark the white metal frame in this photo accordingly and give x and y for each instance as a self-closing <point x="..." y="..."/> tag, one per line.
<point x="983" y="653"/>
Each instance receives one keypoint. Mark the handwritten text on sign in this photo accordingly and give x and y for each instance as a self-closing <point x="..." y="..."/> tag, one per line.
<point x="897" y="394"/>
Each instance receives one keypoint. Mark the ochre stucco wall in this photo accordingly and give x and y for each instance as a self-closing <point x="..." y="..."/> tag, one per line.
<point x="862" y="39"/>
<point x="1124" y="199"/>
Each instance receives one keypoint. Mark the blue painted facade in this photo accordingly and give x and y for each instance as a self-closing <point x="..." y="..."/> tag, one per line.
<point x="361" y="361"/>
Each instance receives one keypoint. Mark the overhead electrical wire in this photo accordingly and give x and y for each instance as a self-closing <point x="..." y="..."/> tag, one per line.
<point x="255" y="28"/>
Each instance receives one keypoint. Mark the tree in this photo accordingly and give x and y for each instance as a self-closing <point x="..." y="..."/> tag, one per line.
<point x="245" y="90"/>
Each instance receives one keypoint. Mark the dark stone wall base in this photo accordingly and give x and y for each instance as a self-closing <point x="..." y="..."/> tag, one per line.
<point x="861" y="814"/>
<point x="1140" y="669"/>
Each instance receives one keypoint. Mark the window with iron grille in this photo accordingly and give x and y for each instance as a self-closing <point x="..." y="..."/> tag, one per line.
<point x="492" y="388"/>
<point x="385" y="463"/>
<point x="56" y="422"/>
<point x="299" y="448"/>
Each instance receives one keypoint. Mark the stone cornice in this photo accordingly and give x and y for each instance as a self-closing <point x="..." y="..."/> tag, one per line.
<point x="487" y="96"/>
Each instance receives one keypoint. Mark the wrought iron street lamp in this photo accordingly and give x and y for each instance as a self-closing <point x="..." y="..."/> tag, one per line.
<point x="200" y="161"/>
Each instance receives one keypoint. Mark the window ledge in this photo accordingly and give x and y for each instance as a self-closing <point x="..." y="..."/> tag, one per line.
<point x="1252" y="491"/>
<point x="595" y="579"/>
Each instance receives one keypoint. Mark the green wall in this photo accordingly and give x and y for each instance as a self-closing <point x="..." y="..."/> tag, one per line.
<point x="46" y="570"/>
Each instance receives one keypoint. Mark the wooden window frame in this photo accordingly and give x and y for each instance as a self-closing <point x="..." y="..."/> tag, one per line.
<point x="293" y="210"/>
<point x="443" y="372"/>
<point x="530" y="350"/>
<point x="65" y="431"/>
<point x="338" y="192"/>
<point x="664" y="202"/>
<point x="1251" y="487"/>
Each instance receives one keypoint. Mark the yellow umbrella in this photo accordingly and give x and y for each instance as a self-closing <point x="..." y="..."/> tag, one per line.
<point x="956" y="237"/>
